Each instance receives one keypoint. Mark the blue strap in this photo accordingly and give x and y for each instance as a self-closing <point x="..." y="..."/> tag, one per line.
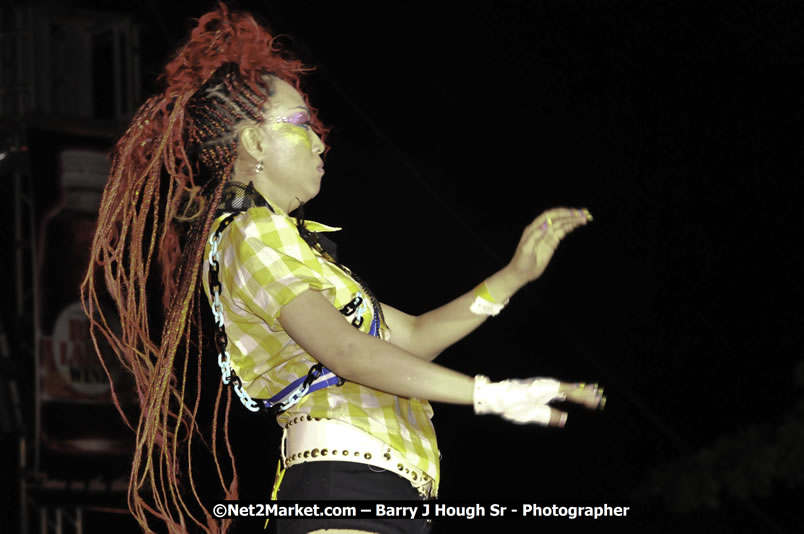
<point x="300" y="388"/>
<point x="375" y="325"/>
<point x="297" y="384"/>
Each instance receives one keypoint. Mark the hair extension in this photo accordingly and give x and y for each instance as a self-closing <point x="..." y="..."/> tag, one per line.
<point x="167" y="176"/>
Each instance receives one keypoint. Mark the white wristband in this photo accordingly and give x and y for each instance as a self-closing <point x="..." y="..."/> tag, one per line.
<point x="520" y="401"/>
<point x="479" y="400"/>
<point x="482" y="306"/>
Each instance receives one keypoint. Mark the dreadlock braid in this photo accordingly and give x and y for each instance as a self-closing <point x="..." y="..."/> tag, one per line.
<point x="167" y="176"/>
<point x="217" y="108"/>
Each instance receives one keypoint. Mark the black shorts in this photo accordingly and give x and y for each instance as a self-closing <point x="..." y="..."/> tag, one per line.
<point x="323" y="481"/>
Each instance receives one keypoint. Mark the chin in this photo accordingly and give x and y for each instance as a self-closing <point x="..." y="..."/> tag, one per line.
<point x="314" y="193"/>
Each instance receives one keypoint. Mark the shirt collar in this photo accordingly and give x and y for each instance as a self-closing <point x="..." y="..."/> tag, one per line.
<point x="313" y="226"/>
<point x="239" y="197"/>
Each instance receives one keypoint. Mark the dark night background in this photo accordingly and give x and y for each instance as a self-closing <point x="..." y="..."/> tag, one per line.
<point x="679" y="125"/>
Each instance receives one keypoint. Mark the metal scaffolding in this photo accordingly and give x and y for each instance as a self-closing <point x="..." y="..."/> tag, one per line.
<point x="75" y="74"/>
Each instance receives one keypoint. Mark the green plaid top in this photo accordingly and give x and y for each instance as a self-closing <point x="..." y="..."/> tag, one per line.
<point x="264" y="264"/>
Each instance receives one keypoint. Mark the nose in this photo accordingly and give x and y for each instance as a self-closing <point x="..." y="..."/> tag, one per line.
<point x="318" y="145"/>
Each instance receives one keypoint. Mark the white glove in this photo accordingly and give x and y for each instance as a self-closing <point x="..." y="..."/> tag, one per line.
<point x="520" y="401"/>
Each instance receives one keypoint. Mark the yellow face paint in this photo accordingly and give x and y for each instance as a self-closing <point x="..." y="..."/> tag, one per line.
<point x="295" y="128"/>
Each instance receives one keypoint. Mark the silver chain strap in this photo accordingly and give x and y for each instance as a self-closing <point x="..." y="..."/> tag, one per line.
<point x="228" y="374"/>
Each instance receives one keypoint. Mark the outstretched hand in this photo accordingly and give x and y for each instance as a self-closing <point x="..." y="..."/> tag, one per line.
<point x="541" y="237"/>
<point x="589" y="395"/>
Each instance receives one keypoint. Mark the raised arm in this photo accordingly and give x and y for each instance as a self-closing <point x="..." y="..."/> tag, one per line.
<point x="427" y="335"/>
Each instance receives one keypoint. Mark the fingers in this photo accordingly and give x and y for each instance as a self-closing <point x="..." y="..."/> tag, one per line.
<point x="589" y="395"/>
<point x="556" y="214"/>
<point x="557" y="222"/>
<point x="557" y="418"/>
<point x="560" y="218"/>
<point x="563" y="220"/>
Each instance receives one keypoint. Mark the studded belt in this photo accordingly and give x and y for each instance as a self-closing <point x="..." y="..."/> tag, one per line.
<point x="308" y="439"/>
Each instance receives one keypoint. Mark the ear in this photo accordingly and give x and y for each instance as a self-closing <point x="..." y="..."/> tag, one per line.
<point x="251" y="141"/>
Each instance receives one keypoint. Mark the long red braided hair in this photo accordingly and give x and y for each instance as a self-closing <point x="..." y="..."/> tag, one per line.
<point x="167" y="176"/>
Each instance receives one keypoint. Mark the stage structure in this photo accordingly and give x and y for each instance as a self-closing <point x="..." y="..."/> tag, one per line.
<point x="69" y="83"/>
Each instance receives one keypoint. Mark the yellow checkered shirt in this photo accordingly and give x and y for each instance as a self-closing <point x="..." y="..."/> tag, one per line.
<point x="264" y="264"/>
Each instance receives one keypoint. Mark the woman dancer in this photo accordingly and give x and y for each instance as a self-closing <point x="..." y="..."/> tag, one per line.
<point x="200" y="192"/>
